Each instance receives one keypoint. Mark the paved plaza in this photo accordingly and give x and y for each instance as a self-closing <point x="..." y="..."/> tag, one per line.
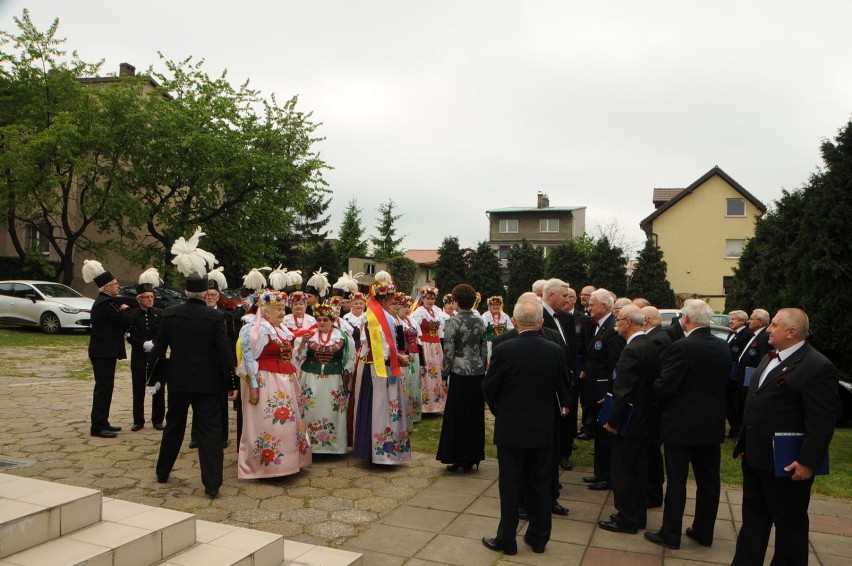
<point x="417" y="514"/>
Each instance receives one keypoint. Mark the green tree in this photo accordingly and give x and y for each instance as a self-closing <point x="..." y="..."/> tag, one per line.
<point x="451" y="267"/>
<point x="386" y="245"/>
<point x="350" y="238"/>
<point x="317" y="256"/>
<point x="608" y="267"/>
<point x="526" y="265"/>
<point x="649" y="277"/>
<point x="569" y="261"/>
<point x="483" y="273"/>
<point x="403" y="270"/>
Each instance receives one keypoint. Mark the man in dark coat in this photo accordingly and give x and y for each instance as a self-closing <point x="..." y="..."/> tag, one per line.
<point x="601" y="359"/>
<point x="691" y="395"/>
<point x="106" y="346"/>
<point x="753" y="352"/>
<point x="519" y="387"/>
<point x="199" y="373"/>
<point x="656" y="470"/>
<point x="144" y="327"/>
<point x="631" y="422"/>
<point x="736" y="342"/>
<point x="583" y="330"/>
<point x="793" y="391"/>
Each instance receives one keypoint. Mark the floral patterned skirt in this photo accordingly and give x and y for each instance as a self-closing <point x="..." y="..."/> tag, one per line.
<point x="325" y="402"/>
<point x="274" y="440"/>
<point x="433" y="387"/>
<point x="381" y="426"/>
<point x="413" y="392"/>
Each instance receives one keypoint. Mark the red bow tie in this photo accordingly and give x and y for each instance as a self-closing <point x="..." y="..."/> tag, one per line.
<point x="774" y="355"/>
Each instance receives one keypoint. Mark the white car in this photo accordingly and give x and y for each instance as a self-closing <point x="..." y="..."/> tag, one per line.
<point x="50" y="306"/>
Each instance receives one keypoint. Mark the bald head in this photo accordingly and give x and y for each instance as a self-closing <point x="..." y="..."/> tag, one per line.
<point x="652" y="317"/>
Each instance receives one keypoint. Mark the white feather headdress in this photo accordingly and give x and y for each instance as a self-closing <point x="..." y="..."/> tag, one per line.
<point x="218" y="275"/>
<point x="278" y="279"/>
<point x="189" y="258"/>
<point x="151" y="276"/>
<point x="91" y="269"/>
<point x="347" y="282"/>
<point x="294" y="278"/>
<point x="383" y="276"/>
<point x="254" y="279"/>
<point x="319" y="281"/>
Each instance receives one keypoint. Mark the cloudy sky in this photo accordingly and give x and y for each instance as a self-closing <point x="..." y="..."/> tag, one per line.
<point x="452" y="108"/>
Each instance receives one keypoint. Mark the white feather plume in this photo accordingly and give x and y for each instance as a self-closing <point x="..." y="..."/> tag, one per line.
<point x="254" y="279"/>
<point x="294" y="278"/>
<point x="189" y="258"/>
<point x="319" y="280"/>
<point x="218" y="275"/>
<point x="383" y="276"/>
<point x="278" y="278"/>
<point x="91" y="269"/>
<point x="346" y="283"/>
<point x="151" y="276"/>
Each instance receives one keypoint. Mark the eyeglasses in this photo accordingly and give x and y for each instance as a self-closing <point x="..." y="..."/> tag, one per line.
<point x="622" y="318"/>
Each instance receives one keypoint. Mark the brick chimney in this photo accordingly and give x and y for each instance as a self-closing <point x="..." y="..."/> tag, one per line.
<point x="126" y="70"/>
<point x="543" y="201"/>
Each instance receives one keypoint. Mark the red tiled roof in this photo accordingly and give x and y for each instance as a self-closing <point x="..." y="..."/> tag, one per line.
<point x="423" y="257"/>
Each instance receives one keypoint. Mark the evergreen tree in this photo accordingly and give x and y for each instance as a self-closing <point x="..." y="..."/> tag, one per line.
<point x="385" y="245"/>
<point x="608" y="267"/>
<point x="321" y="256"/>
<point x="350" y="239"/>
<point x="569" y="261"/>
<point x="403" y="270"/>
<point x="451" y="267"/>
<point x="649" y="277"/>
<point x="526" y="265"/>
<point x="483" y="274"/>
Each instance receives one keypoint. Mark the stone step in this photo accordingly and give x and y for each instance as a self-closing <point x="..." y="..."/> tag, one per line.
<point x="33" y="512"/>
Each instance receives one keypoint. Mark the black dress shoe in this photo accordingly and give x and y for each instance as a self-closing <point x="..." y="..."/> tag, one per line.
<point x="105" y="433"/>
<point x="657" y="539"/>
<point x="618" y="527"/>
<point x="538" y="549"/>
<point x="498" y="546"/>
<point x="601" y="486"/>
<point x="585" y="436"/>
<point x="566" y="464"/>
<point x="136" y="427"/>
<point x="193" y="443"/>
<point x="592" y="479"/>
<point x="211" y="493"/>
<point x="159" y="426"/>
<point x="557" y="509"/>
<point x="113" y="428"/>
<point x="619" y="518"/>
<point x="162" y="479"/>
<point x="691" y="534"/>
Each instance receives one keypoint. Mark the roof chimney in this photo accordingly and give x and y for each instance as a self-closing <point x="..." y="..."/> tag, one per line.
<point x="543" y="201"/>
<point x="126" y="70"/>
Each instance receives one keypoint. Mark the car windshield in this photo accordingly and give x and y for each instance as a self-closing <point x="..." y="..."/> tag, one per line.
<point x="56" y="291"/>
<point x="171" y="293"/>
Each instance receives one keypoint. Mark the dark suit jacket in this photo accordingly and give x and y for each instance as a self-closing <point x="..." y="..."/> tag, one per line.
<point x="519" y="387"/>
<point x="566" y="321"/>
<point x="201" y="355"/>
<point x="144" y="326"/>
<point x="691" y="390"/>
<point x="602" y="357"/>
<point x="583" y="335"/>
<point x="798" y="395"/>
<point x="564" y="390"/>
<point x="108" y="325"/>
<point x="675" y="330"/>
<point x="661" y="340"/>
<point x="755" y="350"/>
<point x="638" y="367"/>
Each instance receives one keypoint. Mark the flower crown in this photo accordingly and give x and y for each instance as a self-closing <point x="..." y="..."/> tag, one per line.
<point x="271" y="299"/>
<point x="448" y="298"/>
<point x="358" y="296"/>
<point x="325" y="309"/>
<point x="297" y="296"/>
<point x="399" y="298"/>
<point x="382" y="288"/>
<point x="335" y="300"/>
<point x="425" y="291"/>
<point x="496" y="300"/>
<point x="408" y="300"/>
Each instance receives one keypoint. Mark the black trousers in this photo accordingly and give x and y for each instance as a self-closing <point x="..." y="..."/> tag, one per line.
<point x="225" y="423"/>
<point x="656" y="468"/>
<point x="138" y="362"/>
<point x="705" y="461"/>
<point x="104" y="371"/>
<point x="603" y="447"/>
<point x="768" y="501"/>
<point x="568" y="425"/>
<point x="207" y="424"/>
<point x="733" y="409"/>
<point x="527" y="469"/>
<point x="630" y="477"/>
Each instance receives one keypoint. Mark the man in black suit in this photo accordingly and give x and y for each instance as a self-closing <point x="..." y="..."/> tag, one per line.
<point x="691" y="395"/>
<point x="109" y="321"/>
<point x="199" y="373"/>
<point x="582" y="337"/>
<point x="601" y="359"/>
<point x="519" y="387"/>
<point x="753" y="352"/>
<point x="736" y="342"/>
<point x="794" y="390"/>
<point x="631" y="422"/>
<point x="144" y="327"/>
<point x="656" y="470"/>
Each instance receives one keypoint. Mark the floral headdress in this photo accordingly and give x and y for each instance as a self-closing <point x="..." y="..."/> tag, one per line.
<point x="271" y="299"/>
<point x="298" y="297"/>
<point x="426" y="291"/>
<point x="448" y="298"/>
<point x="383" y="286"/>
<point x="335" y="301"/>
<point x="399" y="298"/>
<point x="358" y="296"/>
<point x="325" y="309"/>
<point x="408" y="301"/>
<point x="495" y="300"/>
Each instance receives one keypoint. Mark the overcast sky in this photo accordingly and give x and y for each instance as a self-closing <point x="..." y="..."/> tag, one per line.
<point x="453" y="108"/>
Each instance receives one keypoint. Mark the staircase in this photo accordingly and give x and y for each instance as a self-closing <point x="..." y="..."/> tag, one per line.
<point x="52" y="524"/>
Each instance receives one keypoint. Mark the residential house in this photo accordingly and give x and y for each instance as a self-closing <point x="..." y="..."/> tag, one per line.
<point x="426" y="261"/>
<point x="702" y="230"/>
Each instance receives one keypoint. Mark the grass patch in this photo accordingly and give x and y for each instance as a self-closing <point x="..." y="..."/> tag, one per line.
<point x="30" y="336"/>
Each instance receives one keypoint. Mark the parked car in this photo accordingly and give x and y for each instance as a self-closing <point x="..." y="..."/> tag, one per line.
<point x="229" y="299"/>
<point x="845" y="417"/>
<point x="164" y="297"/>
<point x="670" y="314"/>
<point x="48" y="305"/>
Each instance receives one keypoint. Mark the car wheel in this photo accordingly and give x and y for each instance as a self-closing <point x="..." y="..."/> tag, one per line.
<point x="50" y="323"/>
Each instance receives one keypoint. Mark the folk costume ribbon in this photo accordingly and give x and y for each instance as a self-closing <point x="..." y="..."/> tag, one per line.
<point x="377" y="324"/>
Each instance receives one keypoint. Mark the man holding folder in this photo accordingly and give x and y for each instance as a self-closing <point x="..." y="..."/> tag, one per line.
<point x="793" y="390"/>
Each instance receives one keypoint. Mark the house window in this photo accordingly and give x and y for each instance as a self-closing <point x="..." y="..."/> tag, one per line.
<point x="548" y="225"/>
<point x="736" y="207"/>
<point x="369" y="269"/>
<point x="727" y="283"/>
<point x="508" y="225"/>
<point x="503" y="252"/>
<point x="38" y="238"/>
<point x="734" y="248"/>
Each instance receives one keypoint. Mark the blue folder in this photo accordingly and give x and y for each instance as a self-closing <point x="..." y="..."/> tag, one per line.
<point x="606" y="410"/>
<point x="786" y="446"/>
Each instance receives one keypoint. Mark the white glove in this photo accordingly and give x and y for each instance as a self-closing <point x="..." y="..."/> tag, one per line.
<point x="148" y="345"/>
<point x="152" y="389"/>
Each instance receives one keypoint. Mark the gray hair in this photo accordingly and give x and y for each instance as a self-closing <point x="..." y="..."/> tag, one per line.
<point x="699" y="312"/>
<point x="798" y="319"/>
<point x="652" y="313"/>
<point x="739" y="315"/>
<point x="553" y="286"/>
<point x="528" y="313"/>
<point x="762" y="316"/>
<point x="604" y="297"/>
<point x="634" y="314"/>
<point x="538" y="286"/>
<point x="529" y="296"/>
<point x="195" y="294"/>
<point x="622" y="302"/>
<point x="641" y="302"/>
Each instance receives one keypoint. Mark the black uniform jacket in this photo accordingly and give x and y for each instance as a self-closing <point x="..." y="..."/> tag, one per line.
<point x="108" y="327"/>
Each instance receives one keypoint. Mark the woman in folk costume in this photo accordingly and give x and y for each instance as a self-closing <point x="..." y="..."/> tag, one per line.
<point x="496" y="321"/>
<point x="274" y="441"/>
<point x="381" y="426"/>
<point x="298" y="321"/>
<point x="327" y="361"/>
<point x="428" y="317"/>
<point x="357" y="318"/>
<point x="411" y="374"/>
<point x="449" y="307"/>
